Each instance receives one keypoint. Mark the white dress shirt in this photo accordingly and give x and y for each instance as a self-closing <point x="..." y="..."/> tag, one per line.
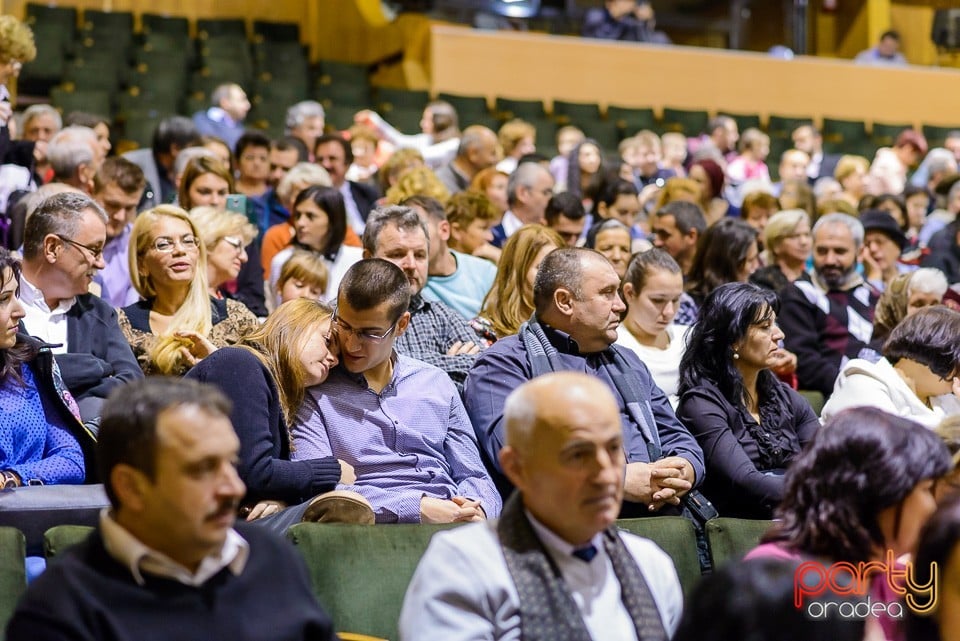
<point x="462" y="589"/>
<point x="48" y="325"/>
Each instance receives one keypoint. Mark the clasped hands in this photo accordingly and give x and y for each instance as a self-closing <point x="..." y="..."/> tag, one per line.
<point x="659" y="483"/>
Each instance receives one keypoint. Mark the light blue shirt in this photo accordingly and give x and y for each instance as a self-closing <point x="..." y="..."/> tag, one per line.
<point x="464" y="289"/>
<point x="411" y="440"/>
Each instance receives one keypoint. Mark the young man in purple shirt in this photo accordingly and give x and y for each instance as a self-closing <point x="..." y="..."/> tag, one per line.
<point x="398" y="421"/>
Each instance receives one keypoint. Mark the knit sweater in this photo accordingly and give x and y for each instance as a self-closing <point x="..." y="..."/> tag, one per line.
<point x="87" y="595"/>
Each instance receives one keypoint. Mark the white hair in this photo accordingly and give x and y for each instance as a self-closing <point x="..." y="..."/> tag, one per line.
<point x="928" y="280"/>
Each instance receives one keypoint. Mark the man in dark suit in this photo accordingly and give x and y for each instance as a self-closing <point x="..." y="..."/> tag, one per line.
<point x="334" y="154"/>
<point x="62" y="251"/>
<point x="807" y="139"/>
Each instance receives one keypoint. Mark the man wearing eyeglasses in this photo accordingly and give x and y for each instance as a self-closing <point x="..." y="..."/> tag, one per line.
<point x="398" y="421"/>
<point x="62" y="252"/>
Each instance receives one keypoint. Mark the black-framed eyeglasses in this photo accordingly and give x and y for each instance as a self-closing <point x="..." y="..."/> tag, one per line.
<point x="366" y="336"/>
<point x="95" y="252"/>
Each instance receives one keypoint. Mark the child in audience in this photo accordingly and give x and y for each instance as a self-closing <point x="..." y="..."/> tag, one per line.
<point x="304" y="275"/>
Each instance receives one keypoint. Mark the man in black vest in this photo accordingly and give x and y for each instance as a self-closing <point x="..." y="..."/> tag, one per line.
<point x="166" y="561"/>
<point x="553" y="566"/>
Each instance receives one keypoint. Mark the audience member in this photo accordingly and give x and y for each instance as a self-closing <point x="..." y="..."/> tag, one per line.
<point x="166" y="554"/>
<point x="750" y="163"/>
<point x="750" y="425"/>
<point x="788" y="244"/>
<point x="437" y="334"/>
<point x="587" y="172"/>
<point x="472" y="216"/>
<point x="611" y="239"/>
<point x="252" y="157"/>
<point x="75" y="157"/>
<point x="652" y="288"/>
<point x="428" y="470"/>
<point x="363" y="143"/>
<point x="100" y="125"/>
<point x="568" y="137"/>
<point x="676" y="228"/>
<point x="643" y="153"/>
<point x="627" y="20"/>
<point x="492" y="183"/>
<point x="619" y="200"/>
<point x="224" y="119"/>
<point x="176" y="323"/>
<point x="676" y="189"/>
<point x="918" y="377"/>
<point x="566" y="216"/>
<point x="829" y="320"/>
<point x="16" y="48"/>
<point x="574" y="327"/>
<point x="320" y="222"/>
<point x="477" y="151"/>
<point x="756" y="210"/>
<point x="419" y="181"/>
<point x="458" y="280"/>
<point x="334" y="154"/>
<point x="528" y="191"/>
<point x="44" y="441"/>
<point x="883" y="242"/>
<point x="851" y="173"/>
<point x="885" y="53"/>
<point x="888" y="172"/>
<point x="517" y="138"/>
<point x="859" y="494"/>
<point x="509" y="303"/>
<point x="554" y="565"/>
<point x="304" y="275"/>
<point x="62" y="252"/>
<point x="726" y="253"/>
<point x="118" y="188"/>
<point x="721" y="134"/>
<point x="807" y="138"/>
<point x="225" y="235"/>
<point x="709" y="175"/>
<point x="906" y="295"/>
<point x="264" y="376"/>
<point x="41" y="123"/>
<point x="439" y="137"/>
<point x="284" y="155"/>
<point x="305" y="121"/>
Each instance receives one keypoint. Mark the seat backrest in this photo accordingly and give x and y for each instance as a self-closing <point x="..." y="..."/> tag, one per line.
<point x="729" y="539"/>
<point x="360" y="573"/>
<point x="59" y="538"/>
<point x="13" y="577"/>
<point x="675" y="536"/>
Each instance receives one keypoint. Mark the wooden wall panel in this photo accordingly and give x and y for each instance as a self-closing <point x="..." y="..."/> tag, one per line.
<point x="465" y="61"/>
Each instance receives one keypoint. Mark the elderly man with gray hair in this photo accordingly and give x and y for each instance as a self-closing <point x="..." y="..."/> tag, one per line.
<point x="75" y="156"/>
<point x="528" y="191"/>
<point x="829" y="320"/>
<point x="62" y="251"/>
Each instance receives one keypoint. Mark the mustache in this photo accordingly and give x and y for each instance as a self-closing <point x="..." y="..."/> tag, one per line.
<point x="226" y="507"/>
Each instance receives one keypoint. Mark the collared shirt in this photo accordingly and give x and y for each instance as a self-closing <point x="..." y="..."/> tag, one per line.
<point x="114" y="278"/>
<point x="433" y="328"/>
<point x="354" y="218"/>
<point x="49" y="325"/>
<point x="411" y="440"/>
<point x="593" y="585"/>
<point x="510" y="223"/>
<point x="139" y="558"/>
<point x="217" y="114"/>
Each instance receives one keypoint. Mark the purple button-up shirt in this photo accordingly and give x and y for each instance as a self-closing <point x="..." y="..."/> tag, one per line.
<point x="114" y="279"/>
<point x="413" y="439"/>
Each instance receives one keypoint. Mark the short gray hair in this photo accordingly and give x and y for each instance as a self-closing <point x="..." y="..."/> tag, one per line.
<point x="525" y="175"/>
<point x="302" y="172"/>
<point x="928" y="280"/>
<point x="836" y="218"/>
<point x="940" y="160"/>
<point x="298" y="113"/>
<point x="222" y="91"/>
<point x="70" y="148"/>
<point x="34" y="111"/>
<point x="59" y="214"/>
<point x="404" y="218"/>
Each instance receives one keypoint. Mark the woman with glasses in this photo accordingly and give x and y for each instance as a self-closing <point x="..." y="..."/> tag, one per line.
<point x="177" y="323"/>
<point x="265" y="376"/>
<point x="226" y="235"/>
<point x="319" y="217"/>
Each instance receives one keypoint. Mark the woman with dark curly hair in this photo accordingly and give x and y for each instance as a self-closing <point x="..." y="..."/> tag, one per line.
<point x="860" y="494"/>
<point x="750" y="425"/>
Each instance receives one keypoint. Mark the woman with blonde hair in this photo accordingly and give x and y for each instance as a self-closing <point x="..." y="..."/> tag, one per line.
<point x="509" y="303"/>
<point x="517" y="138"/>
<point x="177" y="323"/>
<point x="419" y="181"/>
<point x="851" y="173"/>
<point x="685" y="189"/>
<point x="788" y="244"/>
<point x="225" y="235"/>
<point x="265" y="376"/>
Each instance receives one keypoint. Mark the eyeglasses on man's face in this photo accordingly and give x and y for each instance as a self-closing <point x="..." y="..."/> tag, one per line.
<point x="95" y="252"/>
<point x="363" y="335"/>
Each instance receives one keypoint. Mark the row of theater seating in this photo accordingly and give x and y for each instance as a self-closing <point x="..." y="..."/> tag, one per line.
<point x="360" y="573"/>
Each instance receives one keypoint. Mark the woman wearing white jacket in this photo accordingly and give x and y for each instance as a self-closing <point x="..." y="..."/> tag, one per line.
<point x="918" y="377"/>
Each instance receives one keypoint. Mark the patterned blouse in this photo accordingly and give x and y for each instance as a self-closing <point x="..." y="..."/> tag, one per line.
<point x="231" y="321"/>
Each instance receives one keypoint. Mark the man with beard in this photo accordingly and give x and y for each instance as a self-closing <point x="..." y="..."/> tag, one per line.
<point x="830" y="320"/>
<point x="167" y="556"/>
